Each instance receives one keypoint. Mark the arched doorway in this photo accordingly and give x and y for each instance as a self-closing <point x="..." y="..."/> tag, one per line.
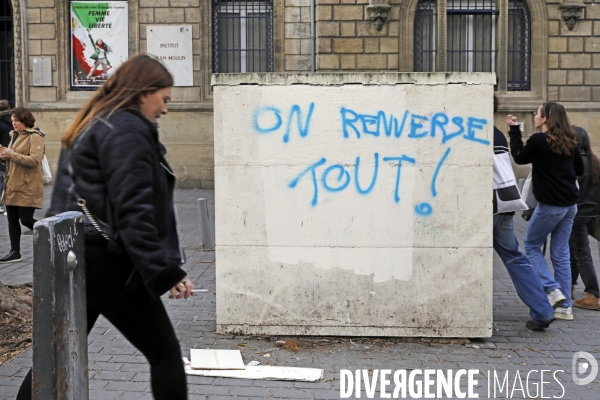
<point x="7" y="51"/>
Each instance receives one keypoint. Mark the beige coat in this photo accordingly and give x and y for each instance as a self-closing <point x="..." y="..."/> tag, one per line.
<point x="23" y="184"/>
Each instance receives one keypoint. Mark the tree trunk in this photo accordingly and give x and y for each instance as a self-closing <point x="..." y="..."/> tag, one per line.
<point x="14" y="301"/>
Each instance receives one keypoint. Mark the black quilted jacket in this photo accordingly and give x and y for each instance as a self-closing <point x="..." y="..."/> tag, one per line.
<point x="120" y="170"/>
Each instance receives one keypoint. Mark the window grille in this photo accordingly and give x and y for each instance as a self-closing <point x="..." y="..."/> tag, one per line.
<point x="7" y="71"/>
<point x="471" y="38"/>
<point x="242" y="36"/>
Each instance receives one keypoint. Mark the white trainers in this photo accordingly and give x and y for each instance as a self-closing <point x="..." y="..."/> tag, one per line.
<point x="565" y="313"/>
<point x="556" y="298"/>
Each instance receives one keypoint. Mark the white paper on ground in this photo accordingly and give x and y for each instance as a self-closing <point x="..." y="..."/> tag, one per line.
<point x="216" y="359"/>
<point x="265" y="372"/>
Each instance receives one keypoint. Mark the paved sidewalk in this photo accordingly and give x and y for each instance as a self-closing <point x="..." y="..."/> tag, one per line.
<point x="118" y="371"/>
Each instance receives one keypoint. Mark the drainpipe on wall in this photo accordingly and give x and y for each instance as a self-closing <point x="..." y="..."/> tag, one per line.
<point x="313" y="37"/>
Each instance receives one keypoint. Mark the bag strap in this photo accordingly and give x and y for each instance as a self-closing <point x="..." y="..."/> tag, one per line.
<point x="103" y="228"/>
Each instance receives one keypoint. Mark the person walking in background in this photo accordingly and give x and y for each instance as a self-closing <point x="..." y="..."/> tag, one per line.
<point x="556" y="162"/>
<point x="585" y="223"/>
<point x="23" y="185"/>
<point x="507" y="200"/>
<point x="113" y="167"/>
<point x="5" y="128"/>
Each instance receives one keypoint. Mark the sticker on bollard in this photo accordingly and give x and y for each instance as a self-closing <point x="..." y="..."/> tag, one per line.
<point x="59" y="309"/>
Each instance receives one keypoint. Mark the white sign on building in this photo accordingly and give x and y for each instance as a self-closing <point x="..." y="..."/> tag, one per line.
<point x="172" y="44"/>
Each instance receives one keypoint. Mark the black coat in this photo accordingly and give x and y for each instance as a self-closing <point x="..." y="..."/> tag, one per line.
<point x="120" y="170"/>
<point x="5" y="128"/>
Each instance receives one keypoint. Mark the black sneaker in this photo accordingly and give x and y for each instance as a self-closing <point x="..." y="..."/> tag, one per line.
<point x="536" y="326"/>
<point x="13" y="256"/>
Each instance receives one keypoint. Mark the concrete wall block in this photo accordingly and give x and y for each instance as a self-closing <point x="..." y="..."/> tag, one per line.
<point x="192" y="15"/>
<point x="582" y="28"/>
<point x="557" y="45"/>
<point x="278" y="242"/>
<point x="348" y="1"/>
<point x="389" y="45"/>
<point x="50" y="47"/>
<point x="42" y="94"/>
<point x="592" y="11"/>
<point x="186" y="94"/>
<point x="371" y="45"/>
<point x="557" y="77"/>
<point x="40" y="3"/>
<point x="323" y="45"/>
<point x="348" y="29"/>
<point x="377" y="62"/>
<point x="592" y="77"/>
<point x="305" y="45"/>
<point x="34" y="16"/>
<point x="348" y="13"/>
<point x="297" y="63"/>
<point x="34" y="47"/>
<point x="292" y="46"/>
<point x="324" y="13"/>
<point x="169" y="15"/>
<point x="553" y="11"/>
<point x="592" y="45"/>
<point x="393" y="27"/>
<point x="348" y="45"/>
<point x="574" y="93"/>
<point x="553" y="28"/>
<point x="325" y="2"/>
<point x="552" y="61"/>
<point x="328" y="29"/>
<point x="184" y="3"/>
<point x="596" y="93"/>
<point x="297" y="31"/>
<point x="552" y="93"/>
<point x="393" y="62"/>
<point x="348" y="62"/>
<point x="48" y="16"/>
<point x="596" y="61"/>
<point x="575" y="44"/>
<point x="154" y="3"/>
<point x="146" y="15"/>
<point x="305" y="14"/>
<point x="328" y="62"/>
<point x="575" y="77"/>
<point x="575" y="61"/>
<point x="292" y="14"/>
<point x="41" y="31"/>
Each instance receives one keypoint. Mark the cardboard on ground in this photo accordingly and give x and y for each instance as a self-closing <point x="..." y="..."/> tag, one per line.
<point x="216" y="359"/>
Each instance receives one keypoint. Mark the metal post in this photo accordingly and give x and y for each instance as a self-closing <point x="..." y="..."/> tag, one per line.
<point x="60" y="357"/>
<point x="207" y="242"/>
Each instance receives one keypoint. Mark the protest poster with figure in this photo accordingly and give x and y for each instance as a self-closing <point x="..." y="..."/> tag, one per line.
<point x="99" y="41"/>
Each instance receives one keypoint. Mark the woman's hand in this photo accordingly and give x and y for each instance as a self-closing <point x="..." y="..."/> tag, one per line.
<point x="6" y="153"/>
<point x="182" y="289"/>
<point x="511" y="120"/>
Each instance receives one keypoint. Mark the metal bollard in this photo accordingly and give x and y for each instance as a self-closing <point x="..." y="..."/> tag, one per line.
<point x="60" y="358"/>
<point x="207" y="241"/>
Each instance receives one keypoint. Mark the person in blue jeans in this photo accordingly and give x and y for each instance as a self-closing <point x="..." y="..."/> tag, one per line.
<point x="506" y="245"/>
<point x="556" y="163"/>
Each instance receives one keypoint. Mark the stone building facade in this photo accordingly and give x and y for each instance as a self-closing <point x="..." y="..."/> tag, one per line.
<point x="563" y="55"/>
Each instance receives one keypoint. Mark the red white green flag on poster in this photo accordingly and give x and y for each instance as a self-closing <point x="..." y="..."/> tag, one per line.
<point x="99" y="40"/>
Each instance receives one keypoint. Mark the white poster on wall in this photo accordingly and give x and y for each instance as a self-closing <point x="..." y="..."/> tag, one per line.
<point x="172" y="44"/>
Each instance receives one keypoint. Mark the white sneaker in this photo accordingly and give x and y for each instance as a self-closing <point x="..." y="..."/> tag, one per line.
<point x="556" y="298"/>
<point x="565" y="313"/>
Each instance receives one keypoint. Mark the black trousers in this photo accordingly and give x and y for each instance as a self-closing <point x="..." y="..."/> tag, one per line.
<point x="581" y="255"/>
<point x="141" y="319"/>
<point x="14" y="214"/>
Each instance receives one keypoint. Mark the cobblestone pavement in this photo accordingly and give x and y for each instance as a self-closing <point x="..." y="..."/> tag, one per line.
<point x="118" y="371"/>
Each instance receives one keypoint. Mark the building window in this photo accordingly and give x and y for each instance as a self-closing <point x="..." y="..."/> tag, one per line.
<point x="470" y="43"/>
<point x="242" y="36"/>
<point x="7" y="68"/>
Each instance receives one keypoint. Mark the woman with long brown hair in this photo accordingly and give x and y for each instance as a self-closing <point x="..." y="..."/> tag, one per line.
<point x="113" y="168"/>
<point x="556" y="163"/>
<point x="585" y="223"/>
